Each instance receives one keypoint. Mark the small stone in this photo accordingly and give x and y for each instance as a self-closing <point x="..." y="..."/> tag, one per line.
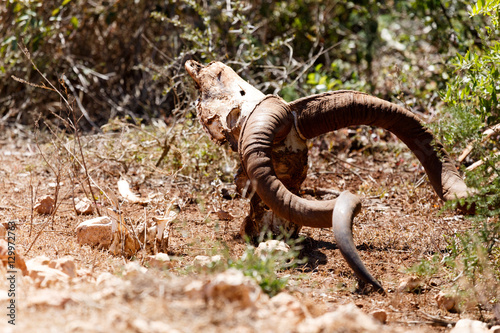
<point x="134" y="269"/>
<point x="95" y="232"/>
<point x="42" y="275"/>
<point x="470" y="326"/>
<point x="287" y="306"/>
<point x="410" y="284"/>
<point x="84" y="206"/>
<point x="159" y="260"/>
<point x="271" y="247"/>
<point x="348" y="317"/>
<point x="194" y="289"/>
<point x="206" y="261"/>
<point x="66" y="265"/>
<point x="234" y="287"/>
<point x="44" y="205"/>
<point x="380" y="316"/>
<point x="447" y="302"/>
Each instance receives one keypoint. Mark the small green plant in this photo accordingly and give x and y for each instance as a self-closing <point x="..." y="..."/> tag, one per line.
<point x="264" y="268"/>
<point x="339" y="76"/>
<point x="470" y="126"/>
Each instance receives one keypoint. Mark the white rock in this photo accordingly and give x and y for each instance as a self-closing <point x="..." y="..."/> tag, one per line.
<point x="84" y="206"/>
<point x="44" y="205"/>
<point x="347" y="318"/>
<point x="271" y="247"/>
<point x="470" y="326"/>
<point x="42" y="275"/>
<point x="232" y="286"/>
<point x="205" y="261"/>
<point x="65" y="264"/>
<point x="133" y="269"/>
<point x="95" y="232"/>
<point x="285" y="305"/>
<point x="159" y="260"/>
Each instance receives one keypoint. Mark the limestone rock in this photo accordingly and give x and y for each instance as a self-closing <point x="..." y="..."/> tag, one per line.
<point x="206" y="261"/>
<point x="134" y="269"/>
<point x="270" y="247"/>
<point x="159" y="260"/>
<point x="448" y="302"/>
<point x="95" y="232"/>
<point x="347" y="318"/>
<point x="65" y="264"/>
<point x="49" y="298"/>
<point x="234" y="287"/>
<point x="470" y="326"/>
<point x="410" y="284"/>
<point x="44" y="205"/>
<point x="44" y="276"/>
<point x="285" y="305"/>
<point x="84" y="206"/>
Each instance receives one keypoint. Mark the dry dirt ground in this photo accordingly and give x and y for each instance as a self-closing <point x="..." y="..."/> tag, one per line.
<point x="400" y="224"/>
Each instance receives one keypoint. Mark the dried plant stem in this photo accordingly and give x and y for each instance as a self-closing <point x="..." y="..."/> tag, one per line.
<point x="73" y="126"/>
<point x="477" y="164"/>
<point x="486" y="135"/>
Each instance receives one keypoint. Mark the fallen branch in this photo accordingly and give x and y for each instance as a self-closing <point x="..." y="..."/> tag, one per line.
<point x="486" y="135"/>
<point x="477" y="164"/>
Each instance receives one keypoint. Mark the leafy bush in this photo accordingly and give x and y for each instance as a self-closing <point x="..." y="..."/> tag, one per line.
<point x="125" y="58"/>
<point x="473" y="258"/>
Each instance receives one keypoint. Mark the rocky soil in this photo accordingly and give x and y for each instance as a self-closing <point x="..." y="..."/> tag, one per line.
<point x="88" y="281"/>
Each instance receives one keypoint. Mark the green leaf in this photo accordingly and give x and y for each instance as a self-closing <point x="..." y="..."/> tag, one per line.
<point x="74" y="21"/>
<point x="65" y="2"/>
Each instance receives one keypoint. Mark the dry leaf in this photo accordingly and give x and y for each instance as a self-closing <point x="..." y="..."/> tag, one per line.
<point x="124" y="189"/>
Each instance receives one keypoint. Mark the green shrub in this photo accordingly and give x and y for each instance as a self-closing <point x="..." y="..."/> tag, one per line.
<point x="473" y="257"/>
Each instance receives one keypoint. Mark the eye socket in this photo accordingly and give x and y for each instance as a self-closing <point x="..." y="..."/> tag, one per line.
<point x="242" y="92"/>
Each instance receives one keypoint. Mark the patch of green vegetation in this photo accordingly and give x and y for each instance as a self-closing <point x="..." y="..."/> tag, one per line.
<point x="265" y="268"/>
<point x="472" y="260"/>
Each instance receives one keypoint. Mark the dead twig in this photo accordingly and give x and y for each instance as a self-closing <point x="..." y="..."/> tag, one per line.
<point x="486" y="135"/>
<point x="477" y="164"/>
<point x="437" y="321"/>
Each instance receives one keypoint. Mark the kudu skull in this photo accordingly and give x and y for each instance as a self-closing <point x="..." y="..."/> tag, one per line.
<point x="270" y="137"/>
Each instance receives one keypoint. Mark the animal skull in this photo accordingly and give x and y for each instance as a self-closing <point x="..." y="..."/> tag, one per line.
<point x="269" y="135"/>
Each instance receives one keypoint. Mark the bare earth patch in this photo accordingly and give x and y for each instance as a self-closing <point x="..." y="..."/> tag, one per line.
<point x="400" y="224"/>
